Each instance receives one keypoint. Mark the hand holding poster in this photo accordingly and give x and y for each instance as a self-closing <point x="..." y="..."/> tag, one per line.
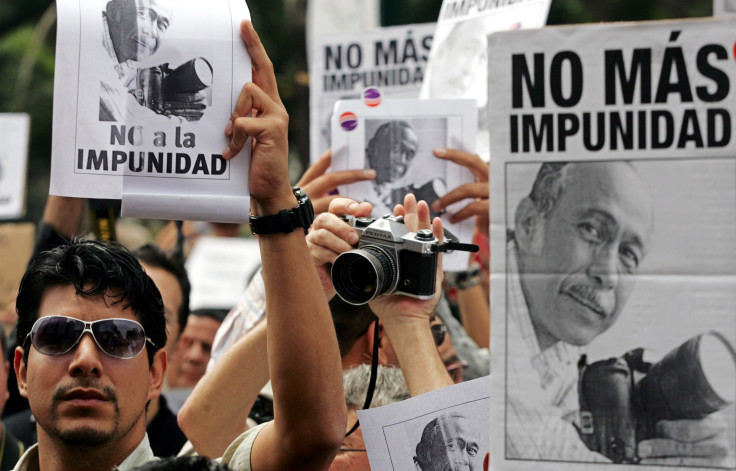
<point x="458" y="61"/>
<point x="612" y="218"/>
<point x="143" y="91"/>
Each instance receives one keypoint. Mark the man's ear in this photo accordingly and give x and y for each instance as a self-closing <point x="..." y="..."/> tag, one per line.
<point x="20" y="371"/>
<point x="158" y="372"/>
<point x="528" y="227"/>
<point x="114" y="11"/>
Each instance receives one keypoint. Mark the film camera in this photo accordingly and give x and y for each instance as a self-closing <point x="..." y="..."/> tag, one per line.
<point x="622" y="399"/>
<point x="390" y="260"/>
<point x="176" y="91"/>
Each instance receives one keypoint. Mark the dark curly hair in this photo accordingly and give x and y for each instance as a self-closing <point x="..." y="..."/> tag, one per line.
<point x="94" y="269"/>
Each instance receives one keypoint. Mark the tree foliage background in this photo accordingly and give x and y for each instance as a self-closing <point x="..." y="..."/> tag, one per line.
<point x="27" y="42"/>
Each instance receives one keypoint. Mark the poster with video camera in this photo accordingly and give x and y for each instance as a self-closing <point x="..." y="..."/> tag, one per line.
<point x="457" y="66"/>
<point x="613" y="209"/>
<point x="396" y="138"/>
<point x="392" y="58"/>
<point x="143" y="90"/>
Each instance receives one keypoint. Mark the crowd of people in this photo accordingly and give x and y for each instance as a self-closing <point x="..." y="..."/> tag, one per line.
<point x="274" y="383"/>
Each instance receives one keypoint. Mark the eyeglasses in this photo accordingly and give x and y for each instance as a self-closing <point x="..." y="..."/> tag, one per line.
<point x="438" y="333"/>
<point x="118" y="338"/>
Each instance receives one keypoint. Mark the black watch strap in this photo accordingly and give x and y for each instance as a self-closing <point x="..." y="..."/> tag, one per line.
<point x="286" y="220"/>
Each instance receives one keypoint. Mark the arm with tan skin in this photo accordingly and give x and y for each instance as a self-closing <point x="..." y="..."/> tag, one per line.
<point x="473" y="302"/>
<point x="216" y="411"/>
<point x="303" y="357"/>
<point x="405" y="319"/>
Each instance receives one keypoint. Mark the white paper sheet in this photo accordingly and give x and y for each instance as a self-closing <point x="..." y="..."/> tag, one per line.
<point x="628" y="242"/>
<point x="393" y="432"/>
<point x="343" y="65"/>
<point x="145" y="115"/>
<point x="422" y="125"/>
<point x="458" y="61"/>
<point x="14" y="132"/>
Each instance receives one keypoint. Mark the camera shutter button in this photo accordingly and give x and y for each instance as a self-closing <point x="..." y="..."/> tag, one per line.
<point x="425" y="234"/>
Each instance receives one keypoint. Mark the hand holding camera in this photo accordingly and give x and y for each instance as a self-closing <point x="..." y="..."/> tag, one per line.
<point x="175" y="92"/>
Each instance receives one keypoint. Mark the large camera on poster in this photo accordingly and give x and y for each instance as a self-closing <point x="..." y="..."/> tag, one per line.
<point x="623" y="399"/>
<point x="178" y="91"/>
<point x="390" y="259"/>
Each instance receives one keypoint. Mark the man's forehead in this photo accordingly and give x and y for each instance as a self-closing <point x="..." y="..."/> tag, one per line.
<point x="613" y="188"/>
<point x="162" y="8"/>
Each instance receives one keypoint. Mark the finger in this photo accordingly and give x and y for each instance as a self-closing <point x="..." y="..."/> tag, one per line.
<point x="248" y="127"/>
<point x="423" y="217"/>
<point x="329" y="181"/>
<point x="665" y="447"/>
<point x="329" y="242"/>
<point x="476" y="208"/>
<point x="469" y="190"/>
<point x="263" y="72"/>
<point x="411" y="218"/>
<point x="341" y="206"/>
<point x="438" y="230"/>
<point x="316" y="169"/>
<point x="472" y="162"/>
<point x="399" y="210"/>
<point x="691" y="430"/>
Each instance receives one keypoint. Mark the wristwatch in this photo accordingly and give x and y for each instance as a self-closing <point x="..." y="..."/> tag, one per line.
<point x="464" y="279"/>
<point x="285" y="220"/>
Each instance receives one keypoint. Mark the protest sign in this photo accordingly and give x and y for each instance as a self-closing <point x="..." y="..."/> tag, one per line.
<point x="329" y="17"/>
<point x="142" y="93"/>
<point x="14" y="132"/>
<point x="396" y="138"/>
<point x="443" y="429"/>
<point x="724" y="8"/>
<point x="219" y="269"/>
<point x="342" y="66"/>
<point x="457" y="62"/>
<point x="16" y="246"/>
<point x="613" y="210"/>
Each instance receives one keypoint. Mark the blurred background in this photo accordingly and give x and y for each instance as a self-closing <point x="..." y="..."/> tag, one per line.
<point x="27" y="43"/>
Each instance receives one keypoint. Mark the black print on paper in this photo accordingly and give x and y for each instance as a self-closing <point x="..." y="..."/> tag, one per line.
<point x="400" y="151"/>
<point x="575" y="245"/>
<point x="132" y="32"/>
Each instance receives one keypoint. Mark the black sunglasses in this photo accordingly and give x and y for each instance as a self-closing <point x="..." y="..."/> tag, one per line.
<point x="118" y="338"/>
<point x="438" y="333"/>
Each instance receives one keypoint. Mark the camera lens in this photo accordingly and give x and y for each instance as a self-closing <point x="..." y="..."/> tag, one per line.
<point x="360" y="275"/>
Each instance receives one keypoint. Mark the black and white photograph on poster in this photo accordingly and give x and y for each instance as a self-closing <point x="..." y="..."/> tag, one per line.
<point x="457" y="66"/>
<point x="391" y="58"/>
<point x="391" y="148"/>
<point x="613" y="209"/>
<point x="132" y="32"/>
<point x="14" y="134"/>
<point x="143" y="90"/>
<point x="397" y="139"/>
<point x="446" y="429"/>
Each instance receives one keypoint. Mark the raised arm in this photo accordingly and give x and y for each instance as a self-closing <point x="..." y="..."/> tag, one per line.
<point x="303" y="356"/>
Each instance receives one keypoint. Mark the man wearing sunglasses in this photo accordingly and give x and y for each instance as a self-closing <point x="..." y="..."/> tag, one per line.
<point x="81" y="363"/>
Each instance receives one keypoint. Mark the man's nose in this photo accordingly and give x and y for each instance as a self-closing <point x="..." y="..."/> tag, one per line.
<point x="86" y="359"/>
<point x="604" y="269"/>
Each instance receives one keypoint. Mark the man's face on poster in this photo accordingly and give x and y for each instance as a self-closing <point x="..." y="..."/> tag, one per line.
<point x="391" y="151"/>
<point x="136" y="27"/>
<point x="456" y="446"/>
<point x="459" y="62"/>
<point x="578" y="262"/>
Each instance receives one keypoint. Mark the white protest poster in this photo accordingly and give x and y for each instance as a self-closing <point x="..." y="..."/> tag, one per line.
<point x="396" y="137"/>
<point x="458" y="61"/>
<point x="613" y="209"/>
<point x="142" y="93"/>
<point x="15" y="130"/>
<point x="443" y="429"/>
<point x="391" y="59"/>
<point x="724" y="8"/>
<point x="219" y="269"/>
<point x="330" y="17"/>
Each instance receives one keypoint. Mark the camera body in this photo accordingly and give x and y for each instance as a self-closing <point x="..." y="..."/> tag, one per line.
<point x="623" y="399"/>
<point x="169" y="91"/>
<point x="389" y="259"/>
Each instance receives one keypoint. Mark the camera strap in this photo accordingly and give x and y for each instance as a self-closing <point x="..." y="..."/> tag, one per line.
<point x="374" y="376"/>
